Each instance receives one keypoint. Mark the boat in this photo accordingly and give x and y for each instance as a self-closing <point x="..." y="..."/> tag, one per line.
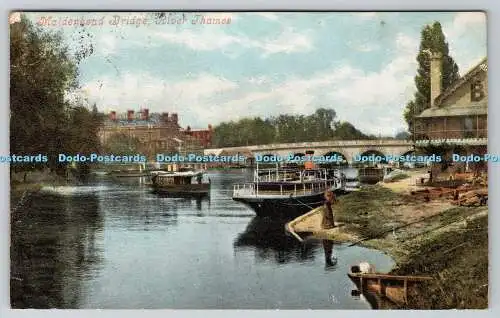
<point x="181" y="183"/>
<point x="285" y="192"/>
<point x="309" y="225"/>
<point x="351" y="181"/>
<point x="371" y="175"/>
<point x="378" y="286"/>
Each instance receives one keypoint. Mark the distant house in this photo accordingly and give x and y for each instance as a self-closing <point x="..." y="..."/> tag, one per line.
<point x="457" y="115"/>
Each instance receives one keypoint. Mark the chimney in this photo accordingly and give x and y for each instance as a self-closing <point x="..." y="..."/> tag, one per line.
<point x="145" y="114"/>
<point x="112" y="116"/>
<point x="164" y="117"/>
<point x="175" y="118"/>
<point x="436" y="76"/>
<point x="209" y="127"/>
<point x="130" y="115"/>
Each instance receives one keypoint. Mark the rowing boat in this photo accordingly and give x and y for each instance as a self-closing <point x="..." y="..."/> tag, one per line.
<point x="309" y="225"/>
<point x="392" y="287"/>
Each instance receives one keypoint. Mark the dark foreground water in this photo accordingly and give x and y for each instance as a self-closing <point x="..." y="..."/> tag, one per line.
<point x="114" y="245"/>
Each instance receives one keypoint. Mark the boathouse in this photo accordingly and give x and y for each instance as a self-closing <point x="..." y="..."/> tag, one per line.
<point x="457" y="116"/>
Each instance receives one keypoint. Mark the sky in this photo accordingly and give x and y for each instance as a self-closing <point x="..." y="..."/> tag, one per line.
<point x="361" y="64"/>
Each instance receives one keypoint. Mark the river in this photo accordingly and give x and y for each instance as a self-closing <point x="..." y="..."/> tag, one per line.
<point x="112" y="244"/>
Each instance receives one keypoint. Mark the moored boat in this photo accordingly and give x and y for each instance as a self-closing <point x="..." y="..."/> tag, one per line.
<point x="285" y="192"/>
<point x="391" y="287"/>
<point x="181" y="183"/>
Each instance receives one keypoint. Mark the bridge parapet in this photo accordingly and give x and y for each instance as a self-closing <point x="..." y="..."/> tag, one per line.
<point x="334" y="144"/>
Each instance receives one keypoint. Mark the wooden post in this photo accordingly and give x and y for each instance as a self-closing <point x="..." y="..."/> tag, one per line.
<point x="361" y="284"/>
<point x="406" y="291"/>
<point x="381" y="286"/>
<point x="445" y="131"/>
<point x="477" y="126"/>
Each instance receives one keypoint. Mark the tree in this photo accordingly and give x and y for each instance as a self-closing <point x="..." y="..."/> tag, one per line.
<point x="42" y="73"/>
<point x="345" y="130"/>
<point x="432" y="40"/>
<point x="402" y="135"/>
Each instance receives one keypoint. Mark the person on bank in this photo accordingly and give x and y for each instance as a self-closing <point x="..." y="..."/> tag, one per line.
<point x="328" y="216"/>
<point x="328" y="223"/>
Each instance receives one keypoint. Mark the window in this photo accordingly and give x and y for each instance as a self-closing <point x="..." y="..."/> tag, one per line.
<point x="468" y="127"/>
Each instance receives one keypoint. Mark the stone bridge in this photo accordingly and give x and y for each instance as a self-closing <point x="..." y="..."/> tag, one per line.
<point x="348" y="149"/>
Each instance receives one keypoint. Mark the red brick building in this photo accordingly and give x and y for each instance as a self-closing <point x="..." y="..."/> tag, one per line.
<point x="204" y="136"/>
<point x="157" y="133"/>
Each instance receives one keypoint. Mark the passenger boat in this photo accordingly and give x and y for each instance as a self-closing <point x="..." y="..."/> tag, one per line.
<point x="181" y="183"/>
<point x="285" y="192"/>
<point x="383" y="286"/>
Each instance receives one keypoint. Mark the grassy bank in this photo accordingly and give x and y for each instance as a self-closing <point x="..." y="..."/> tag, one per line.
<point x="435" y="238"/>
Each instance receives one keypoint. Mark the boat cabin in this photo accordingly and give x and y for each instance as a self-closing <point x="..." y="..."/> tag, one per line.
<point x="180" y="178"/>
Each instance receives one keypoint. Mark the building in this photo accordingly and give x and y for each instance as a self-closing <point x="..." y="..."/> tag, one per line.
<point x="457" y="116"/>
<point x="155" y="133"/>
<point x="204" y="136"/>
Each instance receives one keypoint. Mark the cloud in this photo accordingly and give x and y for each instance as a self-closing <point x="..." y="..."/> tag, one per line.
<point x="267" y="15"/>
<point x="207" y="39"/>
<point x="467" y="18"/>
<point x="359" y="97"/>
<point x="107" y="44"/>
<point x="466" y="36"/>
<point x="135" y="90"/>
<point x="365" y="47"/>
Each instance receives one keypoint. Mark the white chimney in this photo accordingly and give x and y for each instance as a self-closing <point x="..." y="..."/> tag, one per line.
<point x="436" y="76"/>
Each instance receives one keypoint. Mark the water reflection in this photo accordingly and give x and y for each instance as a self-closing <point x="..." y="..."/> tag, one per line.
<point x="53" y="250"/>
<point x="270" y="241"/>
<point x="157" y="252"/>
<point x="330" y="261"/>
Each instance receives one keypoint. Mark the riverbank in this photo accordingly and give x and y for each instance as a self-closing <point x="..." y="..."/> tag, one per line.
<point x="433" y="238"/>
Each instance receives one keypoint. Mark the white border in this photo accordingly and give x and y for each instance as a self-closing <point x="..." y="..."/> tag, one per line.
<point x="345" y="5"/>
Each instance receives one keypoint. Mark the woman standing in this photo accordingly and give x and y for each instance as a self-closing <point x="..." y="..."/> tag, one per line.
<point x="328" y="216"/>
<point x="328" y="223"/>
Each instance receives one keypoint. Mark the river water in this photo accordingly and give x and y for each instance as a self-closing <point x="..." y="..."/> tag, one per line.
<point x="112" y="244"/>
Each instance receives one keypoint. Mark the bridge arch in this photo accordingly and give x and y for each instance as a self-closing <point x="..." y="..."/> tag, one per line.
<point x="341" y="159"/>
<point x="409" y="152"/>
<point x="368" y="155"/>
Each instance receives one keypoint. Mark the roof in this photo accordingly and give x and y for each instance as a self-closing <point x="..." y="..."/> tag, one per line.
<point x="478" y="108"/>
<point x="463" y="80"/>
<point x="180" y="174"/>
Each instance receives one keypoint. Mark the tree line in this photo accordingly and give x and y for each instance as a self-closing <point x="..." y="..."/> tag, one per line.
<point x="42" y="117"/>
<point x="319" y="126"/>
